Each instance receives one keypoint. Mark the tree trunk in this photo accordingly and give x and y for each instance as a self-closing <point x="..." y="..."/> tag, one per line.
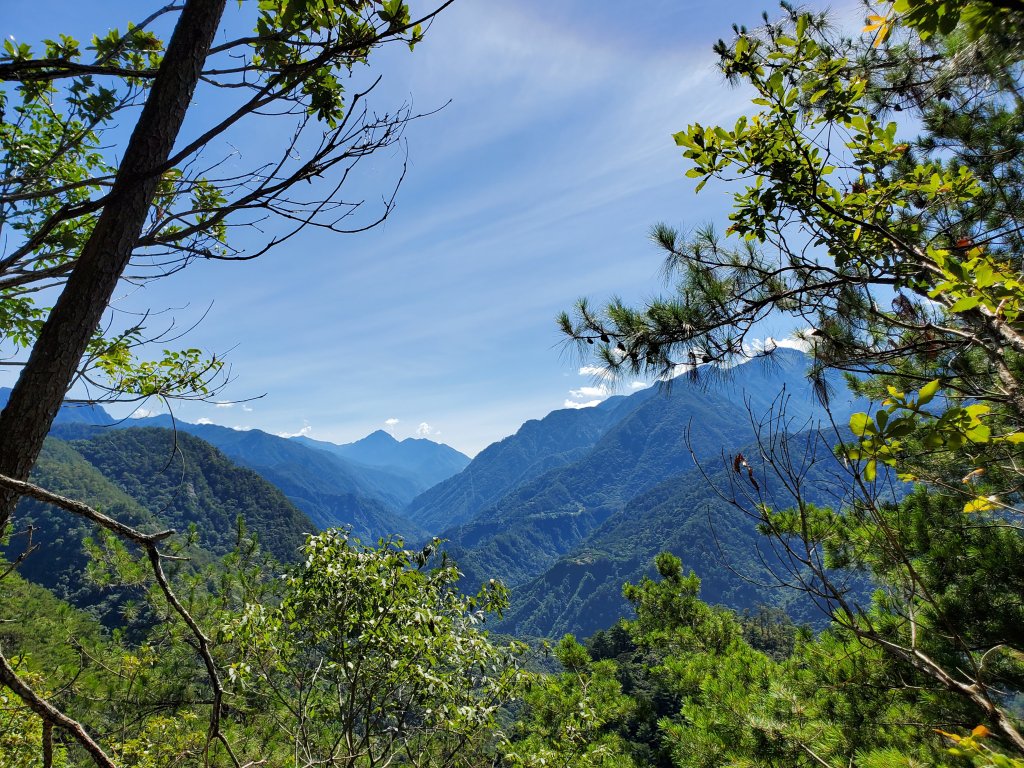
<point x="62" y="342"/>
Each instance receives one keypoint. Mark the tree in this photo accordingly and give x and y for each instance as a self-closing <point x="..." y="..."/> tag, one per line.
<point x="357" y="655"/>
<point x="370" y="657"/>
<point x="902" y="259"/>
<point x="570" y="716"/>
<point x="872" y="242"/>
<point x="77" y="220"/>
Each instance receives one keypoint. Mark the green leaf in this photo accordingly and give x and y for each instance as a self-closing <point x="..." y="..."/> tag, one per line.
<point x="981" y="504"/>
<point x="965" y="303"/>
<point x="861" y="424"/>
<point x="928" y="392"/>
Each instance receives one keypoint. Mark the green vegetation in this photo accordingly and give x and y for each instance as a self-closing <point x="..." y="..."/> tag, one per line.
<point x="902" y="259"/>
<point x="356" y="652"/>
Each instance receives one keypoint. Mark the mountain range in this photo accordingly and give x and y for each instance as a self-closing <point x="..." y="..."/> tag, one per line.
<point x="564" y="511"/>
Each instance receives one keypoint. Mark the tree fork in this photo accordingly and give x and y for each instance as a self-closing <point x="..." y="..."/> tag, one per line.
<point x="46" y="377"/>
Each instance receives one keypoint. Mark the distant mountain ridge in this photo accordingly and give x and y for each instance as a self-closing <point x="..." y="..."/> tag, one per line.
<point x="565" y="509"/>
<point x="425" y="462"/>
<point x="72" y="413"/>
<point x="326" y="487"/>
<point x="538" y="446"/>
<point x="367" y="491"/>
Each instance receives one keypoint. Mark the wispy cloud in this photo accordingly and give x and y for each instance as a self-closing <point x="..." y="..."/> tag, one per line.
<point x="587" y="97"/>
<point x="224" y="404"/>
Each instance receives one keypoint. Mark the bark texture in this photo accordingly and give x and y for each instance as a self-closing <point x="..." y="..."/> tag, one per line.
<point x="63" y="340"/>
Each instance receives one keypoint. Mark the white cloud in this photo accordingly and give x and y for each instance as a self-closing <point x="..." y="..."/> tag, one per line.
<point x="224" y="404"/>
<point x="306" y="429"/>
<point x="595" y="370"/>
<point x="575" y="404"/>
<point x="390" y="422"/>
<point x="204" y="420"/>
<point x="799" y="341"/>
<point x="247" y="408"/>
<point x="804" y="345"/>
<point x="241" y="428"/>
<point x="602" y="390"/>
<point x="142" y="413"/>
<point x="635" y="385"/>
<point x="589" y="396"/>
<point x="425" y="430"/>
<point x="678" y="370"/>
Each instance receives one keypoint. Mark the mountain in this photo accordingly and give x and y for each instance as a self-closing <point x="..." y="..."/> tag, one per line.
<point x="331" y="490"/>
<point x="423" y="461"/>
<point x="563" y="511"/>
<point x="538" y="446"/>
<point x="529" y="528"/>
<point x="71" y="413"/>
<point x="686" y="515"/>
<point x="186" y="481"/>
<point x="151" y="479"/>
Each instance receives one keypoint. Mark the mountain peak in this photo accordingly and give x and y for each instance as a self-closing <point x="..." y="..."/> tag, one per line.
<point x="378" y="437"/>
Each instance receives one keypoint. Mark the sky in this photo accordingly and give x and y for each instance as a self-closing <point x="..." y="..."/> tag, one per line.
<point x="536" y="181"/>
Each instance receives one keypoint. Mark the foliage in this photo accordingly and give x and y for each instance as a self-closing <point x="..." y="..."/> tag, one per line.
<point x="21" y="735"/>
<point x="899" y="259"/>
<point x="193" y="484"/>
<point x="688" y="690"/>
<point x="981" y="756"/>
<point x="63" y="101"/>
<point x="357" y="652"/>
<point x="895" y="255"/>
<point x="153" y="480"/>
<point x="371" y="656"/>
<point x="570" y="713"/>
<point x="929" y="18"/>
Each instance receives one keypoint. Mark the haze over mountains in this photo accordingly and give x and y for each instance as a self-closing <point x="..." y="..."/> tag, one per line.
<point x="564" y="511"/>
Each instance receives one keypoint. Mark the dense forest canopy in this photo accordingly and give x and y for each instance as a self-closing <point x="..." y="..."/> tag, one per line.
<point x="896" y="245"/>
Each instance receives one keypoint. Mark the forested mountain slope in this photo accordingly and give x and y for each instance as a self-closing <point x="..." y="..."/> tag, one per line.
<point x="327" y="488"/>
<point x="525" y="532"/>
<point x="57" y="559"/>
<point x="260" y="450"/>
<point x="539" y="445"/>
<point x="689" y="515"/>
<point x="151" y="479"/>
<point x="185" y="481"/>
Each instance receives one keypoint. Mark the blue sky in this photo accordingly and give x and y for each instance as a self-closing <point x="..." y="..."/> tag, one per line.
<point x="537" y="184"/>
